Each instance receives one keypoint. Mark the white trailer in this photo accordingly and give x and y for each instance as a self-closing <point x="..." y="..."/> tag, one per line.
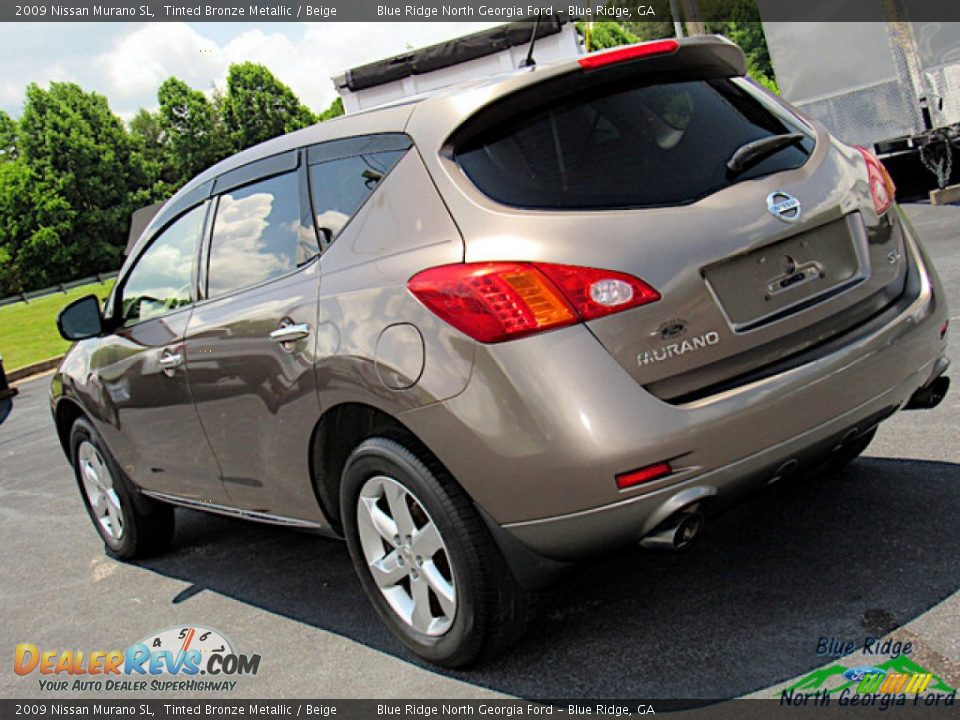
<point x="494" y="51"/>
<point x="892" y="85"/>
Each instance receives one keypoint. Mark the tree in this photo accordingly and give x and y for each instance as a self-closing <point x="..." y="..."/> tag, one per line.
<point x="335" y="110"/>
<point x="36" y="225"/>
<point x="81" y="170"/>
<point x="190" y="124"/>
<point x="258" y="107"/>
<point x="152" y="153"/>
<point x="652" y="27"/>
<point x="8" y="138"/>
<point x="739" y="20"/>
<point x="603" y="35"/>
<point x="149" y="138"/>
<point x="750" y="37"/>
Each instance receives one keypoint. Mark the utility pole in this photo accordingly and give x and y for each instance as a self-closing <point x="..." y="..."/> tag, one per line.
<point x="695" y="24"/>
<point x="677" y="24"/>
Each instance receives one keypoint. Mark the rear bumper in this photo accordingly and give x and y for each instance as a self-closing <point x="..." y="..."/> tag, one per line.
<point x="546" y="424"/>
<point x="626" y="522"/>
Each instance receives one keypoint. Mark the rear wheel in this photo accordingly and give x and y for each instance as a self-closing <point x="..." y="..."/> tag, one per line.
<point x="425" y="558"/>
<point x="131" y="526"/>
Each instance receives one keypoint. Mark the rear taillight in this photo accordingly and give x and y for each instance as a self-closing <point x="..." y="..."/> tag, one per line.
<point x="631" y="52"/>
<point x="595" y="293"/>
<point x="497" y="301"/>
<point x="882" y="188"/>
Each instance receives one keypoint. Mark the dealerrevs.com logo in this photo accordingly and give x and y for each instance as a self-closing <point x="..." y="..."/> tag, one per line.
<point x="169" y="660"/>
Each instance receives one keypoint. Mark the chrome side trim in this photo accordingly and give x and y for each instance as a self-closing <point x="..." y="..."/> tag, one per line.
<point x="254" y="515"/>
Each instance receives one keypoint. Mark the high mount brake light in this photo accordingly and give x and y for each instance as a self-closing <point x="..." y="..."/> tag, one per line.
<point x="497" y="301"/>
<point x="631" y="52"/>
<point x="882" y="189"/>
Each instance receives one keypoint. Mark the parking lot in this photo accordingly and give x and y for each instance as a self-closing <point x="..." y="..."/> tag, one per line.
<point x="868" y="551"/>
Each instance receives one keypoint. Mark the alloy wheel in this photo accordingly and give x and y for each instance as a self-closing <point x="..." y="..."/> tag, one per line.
<point x="98" y="486"/>
<point x="406" y="556"/>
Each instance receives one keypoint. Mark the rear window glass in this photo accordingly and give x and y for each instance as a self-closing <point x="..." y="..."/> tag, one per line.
<point x="642" y="146"/>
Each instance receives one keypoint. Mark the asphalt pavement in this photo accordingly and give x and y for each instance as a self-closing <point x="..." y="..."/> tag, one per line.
<point x="870" y="550"/>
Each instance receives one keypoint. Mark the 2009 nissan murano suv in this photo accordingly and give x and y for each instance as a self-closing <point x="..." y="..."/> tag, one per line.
<point x="486" y="332"/>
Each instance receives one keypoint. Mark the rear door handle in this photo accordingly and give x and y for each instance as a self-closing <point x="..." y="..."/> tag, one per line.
<point x="170" y="361"/>
<point x="289" y="333"/>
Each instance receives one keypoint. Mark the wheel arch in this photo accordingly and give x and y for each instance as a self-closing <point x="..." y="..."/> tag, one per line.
<point x="65" y="414"/>
<point x="339" y="430"/>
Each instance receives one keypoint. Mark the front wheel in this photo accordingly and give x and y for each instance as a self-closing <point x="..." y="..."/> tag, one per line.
<point x="425" y="559"/>
<point x="130" y="526"/>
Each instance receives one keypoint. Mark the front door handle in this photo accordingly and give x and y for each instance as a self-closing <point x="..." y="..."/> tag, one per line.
<point x="290" y="333"/>
<point x="170" y="361"/>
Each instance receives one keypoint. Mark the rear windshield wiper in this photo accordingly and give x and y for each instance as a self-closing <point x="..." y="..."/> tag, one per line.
<point x="753" y="152"/>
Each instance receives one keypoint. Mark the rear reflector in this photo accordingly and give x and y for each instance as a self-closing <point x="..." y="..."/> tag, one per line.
<point x="643" y="475"/>
<point x="882" y="189"/>
<point x="497" y="301"/>
<point x="631" y="52"/>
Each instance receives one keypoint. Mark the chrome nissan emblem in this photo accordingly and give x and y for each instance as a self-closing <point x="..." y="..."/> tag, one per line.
<point x="783" y="206"/>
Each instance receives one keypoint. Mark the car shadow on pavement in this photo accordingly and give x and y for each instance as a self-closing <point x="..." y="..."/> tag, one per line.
<point x="846" y="555"/>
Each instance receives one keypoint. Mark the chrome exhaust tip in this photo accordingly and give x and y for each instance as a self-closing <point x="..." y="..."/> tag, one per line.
<point x="677" y="533"/>
<point x="927" y="398"/>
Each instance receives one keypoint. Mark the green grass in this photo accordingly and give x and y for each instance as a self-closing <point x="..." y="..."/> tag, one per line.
<point x="28" y="331"/>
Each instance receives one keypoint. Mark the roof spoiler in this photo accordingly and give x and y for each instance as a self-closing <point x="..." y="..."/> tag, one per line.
<point x="702" y="56"/>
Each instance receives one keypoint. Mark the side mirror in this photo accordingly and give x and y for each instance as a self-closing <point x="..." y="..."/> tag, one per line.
<point x="81" y="319"/>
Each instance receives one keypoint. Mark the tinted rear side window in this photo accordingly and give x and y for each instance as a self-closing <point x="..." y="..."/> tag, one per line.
<point x="339" y="187"/>
<point x="642" y="146"/>
<point x="255" y="234"/>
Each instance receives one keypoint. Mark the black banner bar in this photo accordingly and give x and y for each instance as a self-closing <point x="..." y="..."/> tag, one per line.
<point x="815" y="705"/>
<point x="456" y="10"/>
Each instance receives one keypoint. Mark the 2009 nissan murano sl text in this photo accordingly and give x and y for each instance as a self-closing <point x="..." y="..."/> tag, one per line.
<point x="486" y="332"/>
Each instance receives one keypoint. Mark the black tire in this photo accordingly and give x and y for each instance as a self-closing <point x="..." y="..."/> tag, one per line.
<point x="846" y="455"/>
<point x="147" y="525"/>
<point x="492" y="610"/>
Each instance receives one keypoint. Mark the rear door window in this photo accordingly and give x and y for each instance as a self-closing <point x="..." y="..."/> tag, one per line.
<point x="641" y="146"/>
<point x="256" y="234"/>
